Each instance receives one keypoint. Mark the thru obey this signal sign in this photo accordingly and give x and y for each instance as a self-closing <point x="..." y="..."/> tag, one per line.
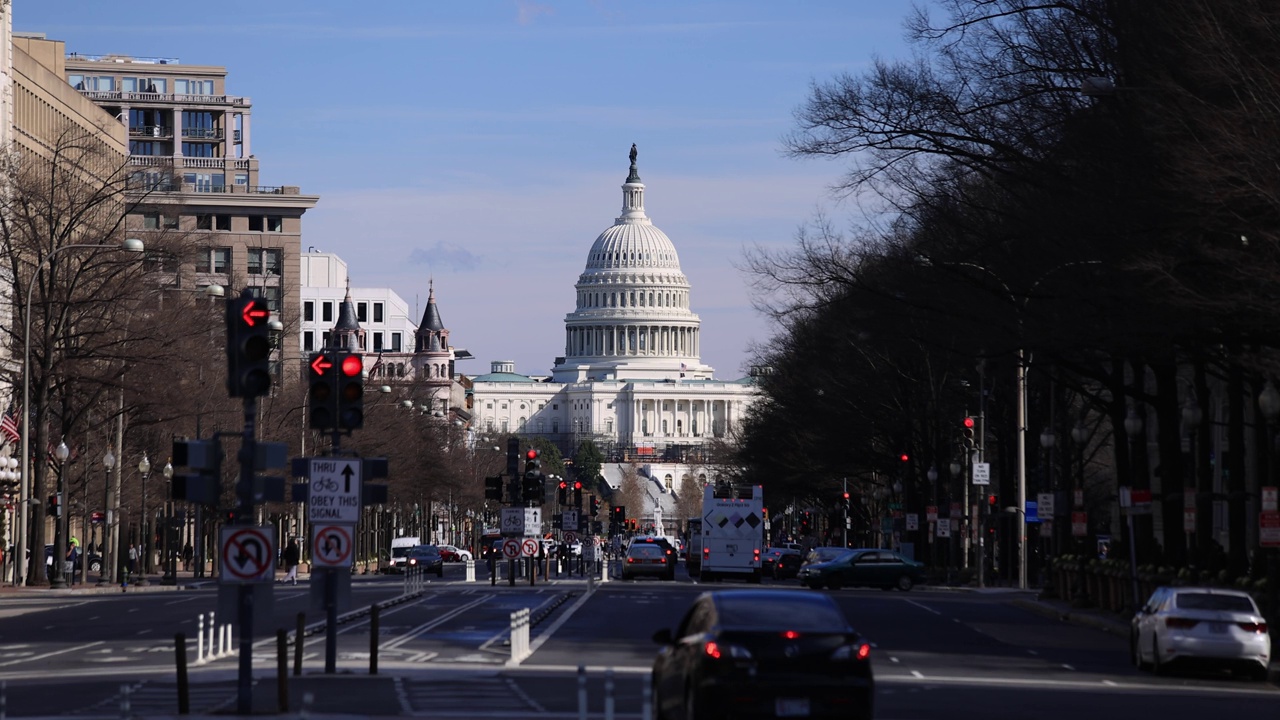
<point x="334" y="494"/>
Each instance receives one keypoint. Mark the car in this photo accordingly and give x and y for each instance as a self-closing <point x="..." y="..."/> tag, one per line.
<point x="95" y="561"/>
<point x="427" y="558"/>
<point x="762" y="653"/>
<point x="771" y="555"/>
<point x="645" y="559"/>
<point x="1200" y="626"/>
<point x="787" y="565"/>
<point x="453" y="553"/>
<point x="668" y="549"/>
<point x="863" y="566"/>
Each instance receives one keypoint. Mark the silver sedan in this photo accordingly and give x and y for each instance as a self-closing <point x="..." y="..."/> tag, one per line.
<point x="1200" y="626"/>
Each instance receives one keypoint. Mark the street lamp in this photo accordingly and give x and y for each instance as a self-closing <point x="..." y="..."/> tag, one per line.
<point x="59" y="579"/>
<point x="131" y="245"/>
<point x="144" y="562"/>
<point x="170" y="576"/>
<point x="107" y="575"/>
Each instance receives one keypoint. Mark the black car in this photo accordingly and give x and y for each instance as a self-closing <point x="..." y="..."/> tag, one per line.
<point x="787" y="565"/>
<point x="95" y="561"/>
<point x="426" y="558"/>
<point x="873" y="567"/>
<point x="762" y="653"/>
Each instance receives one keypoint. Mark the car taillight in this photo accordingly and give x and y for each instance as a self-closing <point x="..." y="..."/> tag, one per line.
<point x="756" y="554"/>
<point x="662" y="560"/>
<point x="852" y="652"/>
<point x="631" y="560"/>
<point x="1178" y="623"/>
<point x="712" y="649"/>
<point x="706" y="552"/>
<point x="718" y="651"/>
<point x="791" y="634"/>
<point x="1253" y="627"/>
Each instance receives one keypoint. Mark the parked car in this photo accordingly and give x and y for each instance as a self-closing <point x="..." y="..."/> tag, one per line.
<point x="645" y="559"/>
<point x="453" y="553"/>
<point x="95" y="561"/>
<point x="426" y="557"/>
<point x="865" y="566"/>
<point x="762" y="653"/>
<point x="787" y="565"/>
<point x="1200" y="626"/>
<point x="668" y="550"/>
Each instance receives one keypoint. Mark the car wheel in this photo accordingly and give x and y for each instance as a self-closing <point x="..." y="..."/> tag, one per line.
<point x="814" y="584"/>
<point x="440" y="573"/>
<point x="95" y="566"/>
<point x="834" y="583"/>
<point x="905" y="583"/>
<point x="1260" y="673"/>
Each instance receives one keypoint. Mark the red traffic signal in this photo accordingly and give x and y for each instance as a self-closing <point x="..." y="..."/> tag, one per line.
<point x="563" y="484"/>
<point x="248" y="346"/>
<point x="991" y="500"/>
<point x="352" y="365"/>
<point x="252" y="313"/>
<point x="904" y="457"/>
<point x="577" y="484"/>
<point x="531" y="454"/>
<point x="968" y="422"/>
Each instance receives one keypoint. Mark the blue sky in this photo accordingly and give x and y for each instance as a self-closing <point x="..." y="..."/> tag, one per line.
<point x="483" y="144"/>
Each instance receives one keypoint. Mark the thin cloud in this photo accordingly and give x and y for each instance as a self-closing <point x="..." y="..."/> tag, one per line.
<point x="446" y="256"/>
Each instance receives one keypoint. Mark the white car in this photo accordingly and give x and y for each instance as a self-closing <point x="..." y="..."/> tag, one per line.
<point x="1201" y="626"/>
<point x="453" y="553"/>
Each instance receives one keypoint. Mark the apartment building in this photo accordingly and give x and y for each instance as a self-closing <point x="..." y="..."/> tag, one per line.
<point x="193" y="172"/>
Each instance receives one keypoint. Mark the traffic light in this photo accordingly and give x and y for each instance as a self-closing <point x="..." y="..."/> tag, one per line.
<point x="248" y="346"/>
<point x="968" y="432"/>
<point x="53" y="508"/>
<point x="493" y="488"/>
<point x="904" y="457"/>
<point x="350" y="390"/>
<point x="533" y="489"/>
<point x="564" y="492"/>
<point x="992" y="500"/>
<point x="595" y="507"/>
<point x="322" y="397"/>
<point x="845" y="500"/>
<point x="577" y="494"/>
<point x="619" y="515"/>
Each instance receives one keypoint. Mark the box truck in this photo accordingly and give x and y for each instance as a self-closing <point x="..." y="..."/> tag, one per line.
<point x="732" y="532"/>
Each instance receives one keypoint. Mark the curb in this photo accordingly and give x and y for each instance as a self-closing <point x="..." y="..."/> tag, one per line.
<point x="1112" y="627"/>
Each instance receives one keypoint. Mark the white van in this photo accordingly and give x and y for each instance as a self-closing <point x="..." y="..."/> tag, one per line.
<point x="399" y="548"/>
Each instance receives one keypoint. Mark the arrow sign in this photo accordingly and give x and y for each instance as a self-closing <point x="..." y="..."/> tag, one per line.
<point x="320" y="364"/>
<point x="252" y="313"/>
<point x="333" y="497"/>
<point x="347" y="472"/>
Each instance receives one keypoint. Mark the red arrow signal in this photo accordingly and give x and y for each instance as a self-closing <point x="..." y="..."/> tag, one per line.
<point x="252" y="313"/>
<point x="320" y="364"/>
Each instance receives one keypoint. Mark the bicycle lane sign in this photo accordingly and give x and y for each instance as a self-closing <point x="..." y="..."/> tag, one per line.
<point x="248" y="554"/>
<point x="334" y="494"/>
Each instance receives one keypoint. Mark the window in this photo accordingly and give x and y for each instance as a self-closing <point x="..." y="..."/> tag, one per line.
<point x="255" y="223"/>
<point x="377" y="312"/>
<point x="142" y="84"/>
<point x="144" y="147"/>
<point x="204" y="222"/>
<point x="308" y="340"/>
<point x="275" y="223"/>
<point x="309" y="311"/>
<point x="377" y="342"/>
<point x="326" y="312"/>
<point x="242" y="180"/>
<point x="395" y="342"/>
<point x="272" y="296"/>
<point x="362" y="312"/>
<point x="99" y="83"/>
<point x="264" y="261"/>
<point x="206" y="182"/>
<point x="151" y="221"/>
<point x="222" y="222"/>
<point x="216" y="260"/>
<point x="193" y="87"/>
<point x="192" y="149"/>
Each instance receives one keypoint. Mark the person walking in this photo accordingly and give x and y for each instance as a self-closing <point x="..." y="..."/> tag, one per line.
<point x="291" y="558"/>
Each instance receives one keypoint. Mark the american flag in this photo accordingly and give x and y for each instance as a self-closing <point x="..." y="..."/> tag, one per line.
<point x="9" y="425"/>
<point x="683" y="367"/>
<point x="373" y="371"/>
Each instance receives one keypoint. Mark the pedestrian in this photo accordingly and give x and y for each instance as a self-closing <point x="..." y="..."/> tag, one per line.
<point x="187" y="554"/>
<point x="73" y="554"/>
<point x="291" y="558"/>
<point x="133" y="559"/>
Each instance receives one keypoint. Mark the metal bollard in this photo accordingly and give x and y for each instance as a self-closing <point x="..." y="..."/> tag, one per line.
<point x="471" y="571"/>
<point x="200" y="638"/>
<point x="297" y="643"/>
<point x="282" y="670"/>
<point x="608" y="694"/>
<point x="373" y="638"/>
<point x="582" y="692"/>
<point x="184" y="690"/>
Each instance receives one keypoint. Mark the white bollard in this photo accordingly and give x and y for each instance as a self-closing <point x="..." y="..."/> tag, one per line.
<point x="212" y="625"/>
<point x="471" y="571"/>
<point x="604" y="570"/>
<point x="226" y="639"/>
<point x="608" y="694"/>
<point x="582" y="692"/>
<point x="200" y="638"/>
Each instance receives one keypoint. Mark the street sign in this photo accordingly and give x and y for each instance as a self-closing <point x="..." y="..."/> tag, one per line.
<point x="248" y="554"/>
<point x="1269" y="528"/>
<point x="944" y="527"/>
<point x="1079" y="524"/>
<point x="331" y="546"/>
<point x="931" y="513"/>
<point x="956" y="511"/>
<point x="913" y="521"/>
<point x="532" y="522"/>
<point x="1269" y="494"/>
<point x="981" y="473"/>
<point x="511" y="548"/>
<point x="334" y="492"/>
<point x="529" y="547"/>
<point x="570" y="538"/>
<point x="569" y="519"/>
<point x="1046" y="505"/>
<point x="1033" y="511"/>
<point x="1189" y="519"/>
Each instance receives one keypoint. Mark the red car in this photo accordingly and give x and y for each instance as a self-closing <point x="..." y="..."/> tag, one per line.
<point x="451" y="553"/>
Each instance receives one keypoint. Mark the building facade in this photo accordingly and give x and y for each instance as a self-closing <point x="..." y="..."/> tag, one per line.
<point x="631" y="379"/>
<point x="193" y="174"/>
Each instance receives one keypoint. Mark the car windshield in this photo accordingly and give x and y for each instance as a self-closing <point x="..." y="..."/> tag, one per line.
<point x="815" y="614"/>
<point x="399" y="551"/>
<point x="825" y="554"/>
<point x="1213" y="601"/>
<point x="645" y="551"/>
<point x="425" y="550"/>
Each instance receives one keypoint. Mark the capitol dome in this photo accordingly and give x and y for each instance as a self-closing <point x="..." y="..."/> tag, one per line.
<point x="632" y="316"/>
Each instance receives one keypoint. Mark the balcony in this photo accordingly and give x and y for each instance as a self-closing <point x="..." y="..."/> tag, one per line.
<point x="202" y="133"/>
<point x="150" y="131"/>
<point x="120" y="96"/>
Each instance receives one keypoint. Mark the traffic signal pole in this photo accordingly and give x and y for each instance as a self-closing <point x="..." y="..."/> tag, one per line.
<point x="244" y="516"/>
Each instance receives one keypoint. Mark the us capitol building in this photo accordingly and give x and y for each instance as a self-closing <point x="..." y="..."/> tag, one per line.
<point x="631" y="378"/>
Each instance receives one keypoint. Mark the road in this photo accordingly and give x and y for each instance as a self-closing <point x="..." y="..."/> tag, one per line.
<point x="443" y="653"/>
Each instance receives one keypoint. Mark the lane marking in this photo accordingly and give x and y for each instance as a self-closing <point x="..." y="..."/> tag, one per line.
<point x="925" y="607"/>
<point x="439" y="620"/>
<point x="1065" y="665"/>
<point x="1032" y="652"/>
<point x="74" y="648"/>
<point x="917" y="674"/>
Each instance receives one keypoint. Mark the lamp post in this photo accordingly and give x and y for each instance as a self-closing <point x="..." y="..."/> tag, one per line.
<point x="144" y="562"/>
<point x="1133" y="426"/>
<point x="132" y="245"/>
<point x="59" y="579"/>
<point x="107" y="575"/>
<point x="170" y="576"/>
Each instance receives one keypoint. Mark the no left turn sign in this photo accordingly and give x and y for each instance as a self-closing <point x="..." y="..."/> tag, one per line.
<point x="248" y="554"/>
<point x="331" y="545"/>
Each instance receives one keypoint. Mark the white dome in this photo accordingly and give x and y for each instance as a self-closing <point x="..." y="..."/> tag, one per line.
<point x="632" y="244"/>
